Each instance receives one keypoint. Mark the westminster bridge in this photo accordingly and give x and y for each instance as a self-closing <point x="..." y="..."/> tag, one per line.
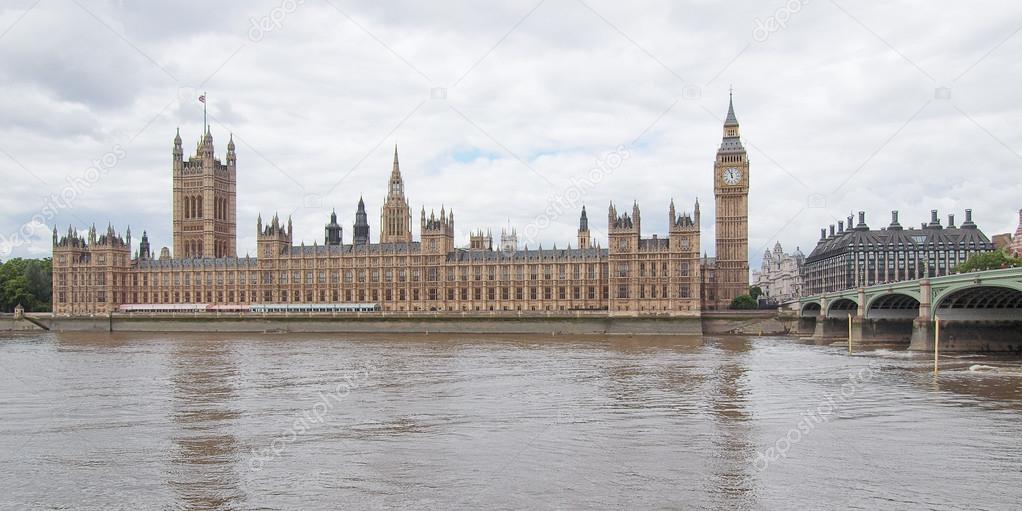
<point x="977" y="311"/>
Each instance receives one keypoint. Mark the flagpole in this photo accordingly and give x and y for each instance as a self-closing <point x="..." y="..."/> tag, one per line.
<point x="204" y="125"/>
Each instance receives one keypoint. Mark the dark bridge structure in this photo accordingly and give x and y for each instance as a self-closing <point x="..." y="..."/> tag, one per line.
<point x="978" y="311"/>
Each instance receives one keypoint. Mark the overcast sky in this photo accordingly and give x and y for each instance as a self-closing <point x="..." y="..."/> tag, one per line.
<point x="503" y="111"/>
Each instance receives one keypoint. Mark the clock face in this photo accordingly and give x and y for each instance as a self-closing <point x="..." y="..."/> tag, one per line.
<point x="732" y="175"/>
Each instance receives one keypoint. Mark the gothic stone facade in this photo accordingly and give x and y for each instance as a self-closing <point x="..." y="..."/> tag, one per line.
<point x="633" y="276"/>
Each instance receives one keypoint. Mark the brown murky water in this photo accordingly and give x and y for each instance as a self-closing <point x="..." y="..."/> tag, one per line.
<point x="133" y="421"/>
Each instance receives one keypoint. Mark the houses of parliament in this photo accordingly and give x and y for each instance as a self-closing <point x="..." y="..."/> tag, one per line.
<point x="98" y="273"/>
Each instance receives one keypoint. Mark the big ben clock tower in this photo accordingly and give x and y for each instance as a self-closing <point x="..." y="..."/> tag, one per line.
<point x="731" y="191"/>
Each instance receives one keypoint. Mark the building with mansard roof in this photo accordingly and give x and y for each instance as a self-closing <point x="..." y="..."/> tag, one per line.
<point x="856" y="256"/>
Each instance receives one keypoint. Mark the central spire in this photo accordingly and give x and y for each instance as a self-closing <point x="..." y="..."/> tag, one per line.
<point x="396" y="187"/>
<point x="395" y="216"/>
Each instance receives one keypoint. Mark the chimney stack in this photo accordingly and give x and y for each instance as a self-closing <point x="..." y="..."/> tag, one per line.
<point x="894" y="221"/>
<point x="968" y="224"/>
<point x="831" y="230"/>
<point x="951" y="220"/>
<point x="840" y="226"/>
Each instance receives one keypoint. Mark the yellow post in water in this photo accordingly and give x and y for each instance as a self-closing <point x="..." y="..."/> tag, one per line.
<point x="849" y="334"/>
<point x="936" y="344"/>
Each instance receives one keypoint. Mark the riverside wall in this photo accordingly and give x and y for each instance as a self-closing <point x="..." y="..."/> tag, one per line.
<point x="711" y="323"/>
<point x="546" y="325"/>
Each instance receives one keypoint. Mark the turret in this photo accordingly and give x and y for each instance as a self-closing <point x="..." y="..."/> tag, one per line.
<point x="274" y="238"/>
<point x="333" y="233"/>
<point x="360" y="231"/>
<point x="509" y="239"/>
<point x="438" y="233"/>
<point x="684" y="233"/>
<point x="144" y="251"/>
<point x="206" y="145"/>
<point x="583" y="230"/>
<point x="635" y="216"/>
<point x="480" y="241"/>
<point x="232" y="157"/>
<point x="623" y="230"/>
<point x="179" y="152"/>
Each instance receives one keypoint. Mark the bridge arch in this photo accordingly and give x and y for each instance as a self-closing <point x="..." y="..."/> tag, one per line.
<point x="892" y="306"/>
<point x="1000" y="301"/>
<point x="842" y="307"/>
<point x="810" y="310"/>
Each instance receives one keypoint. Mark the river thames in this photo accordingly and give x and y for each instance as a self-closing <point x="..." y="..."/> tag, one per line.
<point x="147" y="421"/>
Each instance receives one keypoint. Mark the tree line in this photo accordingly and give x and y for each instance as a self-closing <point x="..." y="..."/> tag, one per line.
<point x="28" y="282"/>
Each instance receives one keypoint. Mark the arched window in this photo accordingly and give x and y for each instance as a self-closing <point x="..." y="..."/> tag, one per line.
<point x="199" y="206"/>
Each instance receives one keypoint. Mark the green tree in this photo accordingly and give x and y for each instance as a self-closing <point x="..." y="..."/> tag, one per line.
<point x="744" y="302"/>
<point x="28" y="282"/>
<point x="755" y="292"/>
<point x="989" y="261"/>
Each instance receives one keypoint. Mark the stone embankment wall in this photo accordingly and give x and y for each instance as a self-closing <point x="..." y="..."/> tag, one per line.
<point x="397" y="324"/>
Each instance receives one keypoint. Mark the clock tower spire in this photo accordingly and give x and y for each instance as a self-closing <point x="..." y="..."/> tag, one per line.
<point x="731" y="191"/>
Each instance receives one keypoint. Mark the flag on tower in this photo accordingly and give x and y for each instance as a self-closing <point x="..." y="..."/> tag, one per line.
<point x="202" y="99"/>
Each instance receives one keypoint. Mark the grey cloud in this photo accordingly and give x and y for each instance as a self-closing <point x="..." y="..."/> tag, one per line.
<point x="319" y="98"/>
